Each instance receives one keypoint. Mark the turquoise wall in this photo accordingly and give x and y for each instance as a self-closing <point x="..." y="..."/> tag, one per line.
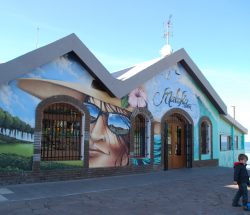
<point x="206" y="109"/>
<point x="227" y="158"/>
<point x="213" y="115"/>
<point x="219" y="126"/>
<point x="201" y="107"/>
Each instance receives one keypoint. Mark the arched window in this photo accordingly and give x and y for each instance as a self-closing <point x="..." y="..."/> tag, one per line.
<point x="61" y="133"/>
<point x="205" y="136"/>
<point x="140" y="136"/>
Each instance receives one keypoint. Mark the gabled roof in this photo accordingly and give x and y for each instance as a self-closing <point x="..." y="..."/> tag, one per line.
<point x="135" y="76"/>
<point x="71" y="43"/>
<point x="28" y="62"/>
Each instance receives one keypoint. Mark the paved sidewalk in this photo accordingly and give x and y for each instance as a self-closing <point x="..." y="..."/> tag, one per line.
<point x="186" y="191"/>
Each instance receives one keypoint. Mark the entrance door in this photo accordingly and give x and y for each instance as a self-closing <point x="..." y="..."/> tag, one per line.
<point x="176" y="145"/>
<point x="177" y="140"/>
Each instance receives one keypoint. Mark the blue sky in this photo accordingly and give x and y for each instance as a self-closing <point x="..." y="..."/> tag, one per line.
<point x="215" y="34"/>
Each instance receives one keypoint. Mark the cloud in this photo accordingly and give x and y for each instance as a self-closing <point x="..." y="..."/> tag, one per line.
<point x="36" y="74"/>
<point x="6" y="94"/>
<point x="65" y="65"/>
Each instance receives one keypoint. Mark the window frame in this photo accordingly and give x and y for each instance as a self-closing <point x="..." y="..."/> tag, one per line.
<point x="140" y="142"/>
<point x="61" y="135"/>
<point x="228" y="143"/>
<point x="205" y="119"/>
<point x="236" y="140"/>
<point x="149" y="157"/>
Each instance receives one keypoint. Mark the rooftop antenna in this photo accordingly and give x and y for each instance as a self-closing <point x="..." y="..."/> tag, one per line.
<point x="167" y="34"/>
<point x="37" y="36"/>
<point x="166" y="49"/>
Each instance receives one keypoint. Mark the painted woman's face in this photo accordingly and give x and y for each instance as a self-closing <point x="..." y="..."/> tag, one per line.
<point x="108" y="133"/>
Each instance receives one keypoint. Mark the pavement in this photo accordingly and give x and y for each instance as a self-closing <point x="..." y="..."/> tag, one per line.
<point x="200" y="191"/>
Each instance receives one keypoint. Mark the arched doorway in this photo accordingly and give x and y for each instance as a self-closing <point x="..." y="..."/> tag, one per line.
<point x="177" y="139"/>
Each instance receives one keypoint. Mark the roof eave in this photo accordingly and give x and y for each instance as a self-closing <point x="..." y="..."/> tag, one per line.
<point x="71" y="43"/>
<point x="232" y="121"/>
<point x="26" y="63"/>
<point x="183" y="58"/>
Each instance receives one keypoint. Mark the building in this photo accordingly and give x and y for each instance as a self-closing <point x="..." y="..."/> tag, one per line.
<point x="63" y="115"/>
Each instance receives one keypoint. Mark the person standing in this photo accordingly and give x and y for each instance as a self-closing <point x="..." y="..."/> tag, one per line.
<point x="241" y="178"/>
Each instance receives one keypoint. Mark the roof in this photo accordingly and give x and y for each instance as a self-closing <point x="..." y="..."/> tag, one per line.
<point x="128" y="73"/>
<point x="26" y="63"/>
<point x="126" y="80"/>
<point x="231" y="120"/>
<point x="121" y="72"/>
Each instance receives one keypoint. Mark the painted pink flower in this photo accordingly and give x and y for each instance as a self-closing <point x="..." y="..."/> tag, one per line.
<point x="137" y="98"/>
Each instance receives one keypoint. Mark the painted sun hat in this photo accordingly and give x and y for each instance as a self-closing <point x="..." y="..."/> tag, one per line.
<point x="45" y="88"/>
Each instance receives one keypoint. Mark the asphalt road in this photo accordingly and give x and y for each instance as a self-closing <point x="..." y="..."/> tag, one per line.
<point x="187" y="191"/>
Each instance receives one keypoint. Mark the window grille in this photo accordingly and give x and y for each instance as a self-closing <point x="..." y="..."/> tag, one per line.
<point x="140" y="136"/>
<point x="205" y="137"/>
<point x="61" y="133"/>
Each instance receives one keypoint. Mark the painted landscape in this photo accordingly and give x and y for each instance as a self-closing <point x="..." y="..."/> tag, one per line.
<point x="15" y="153"/>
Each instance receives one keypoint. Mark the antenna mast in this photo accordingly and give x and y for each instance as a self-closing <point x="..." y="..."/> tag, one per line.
<point x="166" y="49"/>
<point x="37" y="36"/>
<point x="168" y="26"/>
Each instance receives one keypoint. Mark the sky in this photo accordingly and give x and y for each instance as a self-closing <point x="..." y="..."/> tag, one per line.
<point x="215" y="34"/>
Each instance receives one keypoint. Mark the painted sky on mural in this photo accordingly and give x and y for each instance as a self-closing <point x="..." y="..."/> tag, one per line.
<point x="122" y="33"/>
<point x="12" y="96"/>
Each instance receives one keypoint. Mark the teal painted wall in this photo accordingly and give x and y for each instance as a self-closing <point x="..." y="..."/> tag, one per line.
<point x="227" y="158"/>
<point x="201" y="107"/>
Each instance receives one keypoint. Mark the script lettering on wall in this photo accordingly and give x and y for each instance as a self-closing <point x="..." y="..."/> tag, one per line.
<point x="169" y="97"/>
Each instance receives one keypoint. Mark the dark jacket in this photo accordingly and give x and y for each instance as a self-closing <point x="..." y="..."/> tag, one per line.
<point x="240" y="173"/>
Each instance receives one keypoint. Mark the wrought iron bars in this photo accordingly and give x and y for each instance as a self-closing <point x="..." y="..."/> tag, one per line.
<point x="61" y="133"/>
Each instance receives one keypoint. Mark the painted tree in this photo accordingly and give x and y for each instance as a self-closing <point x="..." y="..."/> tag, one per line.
<point x="14" y="125"/>
<point x="2" y="116"/>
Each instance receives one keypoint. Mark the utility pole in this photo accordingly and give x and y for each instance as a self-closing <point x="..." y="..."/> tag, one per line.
<point x="233" y="111"/>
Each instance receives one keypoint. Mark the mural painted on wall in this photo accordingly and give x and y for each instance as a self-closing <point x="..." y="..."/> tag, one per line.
<point x="18" y="101"/>
<point x="165" y="91"/>
<point x="169" y="90"/>
<point x="109" y="134"/>
<point x="172" y="88"/>
<point x="15" y="154"/>
<point x="16" y="131"/>
<point x="109" y="127"/>
<point x="137" y="98"/>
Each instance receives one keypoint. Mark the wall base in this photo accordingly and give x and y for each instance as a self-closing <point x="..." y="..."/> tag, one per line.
<point x="203" y="163"/>
<point x="59" y="175"/>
